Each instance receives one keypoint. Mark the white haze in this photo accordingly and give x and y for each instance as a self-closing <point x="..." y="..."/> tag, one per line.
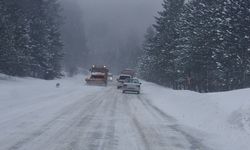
<point x="112" y="19"/>
<point x="109" y="23"/>
<point x="111" y="27"/>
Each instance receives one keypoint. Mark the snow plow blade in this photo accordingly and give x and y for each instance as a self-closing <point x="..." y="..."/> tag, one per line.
<point x="99" y="76"/>
<point x="96" y="82"/>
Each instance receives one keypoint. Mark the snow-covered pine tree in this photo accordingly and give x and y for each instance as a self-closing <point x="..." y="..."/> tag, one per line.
<point x="165" y="42"/>
<point x="5" y="42"/>
<point x="53" y="38"/>
<point x="198" y="45"/>
<point x="147" y="62"/>
<point x="30" y="43"/>
<point x="236" y="44"/>
<point x="14" y="39"/>
<point x="213" y="49"/>
<point x="209" y="48"/>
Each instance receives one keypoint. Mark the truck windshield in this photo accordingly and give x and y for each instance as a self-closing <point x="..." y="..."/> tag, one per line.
<point x="97" y="76"/>
<point x="104" y="70"/>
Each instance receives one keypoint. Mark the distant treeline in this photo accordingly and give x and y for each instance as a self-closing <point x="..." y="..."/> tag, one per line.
<point x="200" y="45"/>
<point x="30" y="39"/>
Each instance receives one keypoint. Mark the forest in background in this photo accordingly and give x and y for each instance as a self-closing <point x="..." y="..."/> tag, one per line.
<point x="46" y="39"/>
<point x="199" y="45"/>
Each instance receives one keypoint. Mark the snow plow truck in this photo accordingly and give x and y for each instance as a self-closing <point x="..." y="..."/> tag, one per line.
<point x="98" y="76"/>
<point x="130" y="72"/>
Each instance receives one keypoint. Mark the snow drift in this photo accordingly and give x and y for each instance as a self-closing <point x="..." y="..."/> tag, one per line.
<point x="224" y="116"/>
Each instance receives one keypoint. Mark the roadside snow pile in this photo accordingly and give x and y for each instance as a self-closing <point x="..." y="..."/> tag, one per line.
<point x="5" y="77"/>
<point x="15" y="90"/>
<point x="224" y="116"/>
<point x="14" y="87"/>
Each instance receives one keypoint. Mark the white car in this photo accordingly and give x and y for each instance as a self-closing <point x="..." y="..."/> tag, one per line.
<point x="131" y="85"/>
<point x="121" y="79"/>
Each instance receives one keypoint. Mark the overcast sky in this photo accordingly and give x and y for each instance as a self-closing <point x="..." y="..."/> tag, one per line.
<point x="114" y="29"/>
<point x="112" y="20"/>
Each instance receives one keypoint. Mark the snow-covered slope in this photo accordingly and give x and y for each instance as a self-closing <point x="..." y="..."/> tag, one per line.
<point x="224" y="116"/>
<point x="29" y="106"/>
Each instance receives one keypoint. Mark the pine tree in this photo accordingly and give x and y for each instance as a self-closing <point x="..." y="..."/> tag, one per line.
<point x="199" y="44"/>
<point x="147" y="62"/>
<point x="236" y="42"/>
<point x="30" y="43"/>
<point x="54" y="41"/>
<point x="212" y="49"/>
<point x="14" y="39"/>
<point x="164" y="42"/>
<point x="206" y="48"/>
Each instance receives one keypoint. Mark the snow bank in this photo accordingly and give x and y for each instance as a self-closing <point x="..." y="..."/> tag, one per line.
<point x="4" y="77"/>
<point x="15" y="91"/>
<point x="224" y="116"/>
<point x="13" y="87"/>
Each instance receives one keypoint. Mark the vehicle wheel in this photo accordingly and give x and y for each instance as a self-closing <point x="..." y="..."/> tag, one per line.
<point x="123" y="91"/>
<point x="138" y="92"/>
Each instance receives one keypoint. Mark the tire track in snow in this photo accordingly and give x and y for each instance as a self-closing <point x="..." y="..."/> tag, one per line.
<point x="79" y="124"/>
<point x="135" y="124"/>
<point x="32" y="106"/>
<point x="196" y="144"/>
<point x="155" y="110"/>
<point x="143" y="120"/>
<point x="93" y="101"/>
<point x="76" y="131"/>
<point x="92" y="125"/>
<point x="110" y="140"/>
<point x="101" y="135"/>
<point x="143" y="136"/>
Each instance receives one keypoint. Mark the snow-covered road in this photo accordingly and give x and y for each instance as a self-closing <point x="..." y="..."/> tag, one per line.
<point x="89" y="118"/>
<point x="35" y="115"/>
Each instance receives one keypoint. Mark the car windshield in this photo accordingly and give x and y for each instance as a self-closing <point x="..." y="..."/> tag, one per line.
<point x="135" y="81"/>
<point x="97" y="76"/>
<point x="132" y="81"/>
<point x="124" y="77"/>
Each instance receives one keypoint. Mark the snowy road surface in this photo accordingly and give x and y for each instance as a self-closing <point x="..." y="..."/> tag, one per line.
<point x="88" y="118"/>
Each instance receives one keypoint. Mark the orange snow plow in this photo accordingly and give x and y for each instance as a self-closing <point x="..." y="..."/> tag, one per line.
<point x="99" y="76"/>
